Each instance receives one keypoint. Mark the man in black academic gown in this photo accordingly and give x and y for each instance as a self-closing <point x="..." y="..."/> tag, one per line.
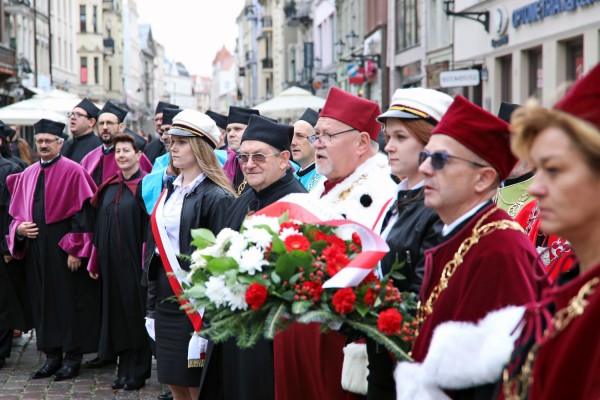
<point x="51" y="231"/>
<point x="15" y="312"/>
<point x="81" y="124"/>
<point x="221" y="121"/>
<point x="237" y="122"/>
<point x="156" y="148"/>
<point x="231" y="373"/>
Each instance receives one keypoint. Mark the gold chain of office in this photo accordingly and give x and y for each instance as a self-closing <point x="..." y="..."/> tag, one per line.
<point x="479" y="231"/>
<point x="517" y="387"/>
<point x="515" y="207"/>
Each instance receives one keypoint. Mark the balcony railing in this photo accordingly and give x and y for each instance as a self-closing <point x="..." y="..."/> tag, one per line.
<point x="8" y="60"/>
<point x="267" y="63"/>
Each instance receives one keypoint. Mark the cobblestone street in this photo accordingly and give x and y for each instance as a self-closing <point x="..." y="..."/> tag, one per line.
<point x="15" y="382"/>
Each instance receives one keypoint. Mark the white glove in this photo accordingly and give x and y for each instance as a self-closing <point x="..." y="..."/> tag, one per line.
<point x="150" y="327"/>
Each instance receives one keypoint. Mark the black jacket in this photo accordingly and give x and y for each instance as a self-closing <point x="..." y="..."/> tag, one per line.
<point x="77" y="148"/>
<point x="416" y="229"/>
<point x="203" y="207"/>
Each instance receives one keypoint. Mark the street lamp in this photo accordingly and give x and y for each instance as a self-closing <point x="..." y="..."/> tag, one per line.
<point x="340" y="47"/>
<point x="352" y="40"/>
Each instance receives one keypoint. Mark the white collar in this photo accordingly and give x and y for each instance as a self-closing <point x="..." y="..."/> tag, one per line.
<point x="449" y="228"/>
<point x="403" y="185"/>
<point x="178" y="182"/>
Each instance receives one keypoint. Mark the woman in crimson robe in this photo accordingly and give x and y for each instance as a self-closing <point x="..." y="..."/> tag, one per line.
<point x="119" y="236"/>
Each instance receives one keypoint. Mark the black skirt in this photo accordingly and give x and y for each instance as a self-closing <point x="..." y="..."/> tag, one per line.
<point x="173" y="332"/>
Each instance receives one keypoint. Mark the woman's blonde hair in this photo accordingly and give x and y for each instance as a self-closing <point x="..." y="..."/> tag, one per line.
<point x="209" y="163"/>
<point x="529" y="120"/>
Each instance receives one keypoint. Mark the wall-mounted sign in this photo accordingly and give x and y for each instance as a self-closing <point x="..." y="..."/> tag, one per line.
<point x="459" y="78"/>
<point x="500" y="18"/>
<point x="538" y="10"/>
<point x="500" y="42"/>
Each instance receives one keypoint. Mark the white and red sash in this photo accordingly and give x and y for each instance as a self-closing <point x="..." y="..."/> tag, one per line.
<point x="177" y="277"/>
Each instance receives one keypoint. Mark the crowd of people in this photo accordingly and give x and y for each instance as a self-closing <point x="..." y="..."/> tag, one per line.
<point x="493" y="217"/>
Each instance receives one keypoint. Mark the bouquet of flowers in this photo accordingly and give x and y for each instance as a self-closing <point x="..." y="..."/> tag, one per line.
<point x="285" y="266"/>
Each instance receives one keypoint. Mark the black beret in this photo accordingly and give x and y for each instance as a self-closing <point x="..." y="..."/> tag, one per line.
<point x="269" y="132"/>
<point x="310" y="116"/>
<point x="114" y="109"/>
<point x="220" y="119"/>
<point x="89" y="107"/>
<point x="51" y="127"/>
<point x="506" y="110"/>
<point x="160" y="107"/>
<point x="240" y="115"/>
<point x="168" y="115"/>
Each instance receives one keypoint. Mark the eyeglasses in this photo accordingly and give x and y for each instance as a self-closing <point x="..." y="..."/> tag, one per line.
<point x="45" y="141"/>
<point x="258" y="158"/>
<point x="439" y="159"/>
<point x="326" y="138"/>
<point x="107" y="123"/>
<point x="77" y="115"/>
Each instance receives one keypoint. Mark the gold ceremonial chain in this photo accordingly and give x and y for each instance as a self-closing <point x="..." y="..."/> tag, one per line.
<point x="517" y="387"/>
<point x="515" y="207"/>
<point x="425" y="310"/>
<point x="242" y="186"/>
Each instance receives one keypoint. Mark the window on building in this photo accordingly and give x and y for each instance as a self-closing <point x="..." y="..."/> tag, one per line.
<point x="95" y="19"/>
<point x="574" y="59"/>
<point x="535" y="73"/>
<point x="97" y="70"/>
<point x="110" y="86"/>
<point x="407" y="31"/>
<point x="292" y="73"/>
<point x="83" y="71"/>
<point x="82" y="19"/>
<point x="506" y="78"/>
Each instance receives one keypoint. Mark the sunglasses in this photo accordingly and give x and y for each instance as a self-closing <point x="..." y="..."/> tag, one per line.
<point x="258" y="158"/>
<point x="439" y="159"/>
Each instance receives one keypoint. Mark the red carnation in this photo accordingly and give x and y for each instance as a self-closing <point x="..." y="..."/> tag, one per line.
<point x="389" y="321"/>
<point x="335" y="259"/>
<point x="296" y="242"/>
<point x="343" y="300"/>
<point x="370" y="297"/>
<point x="337" y="242"/>
<point x="256" y="295"/>
<point x="356" y="239"/>
<point x="319" y="235"/>
<point x="285" y="225"/>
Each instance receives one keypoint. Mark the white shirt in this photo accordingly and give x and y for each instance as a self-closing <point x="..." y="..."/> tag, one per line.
<point x="449" y="228"/>
<point x="403" y="185"/>
<point x="173" y="206"/>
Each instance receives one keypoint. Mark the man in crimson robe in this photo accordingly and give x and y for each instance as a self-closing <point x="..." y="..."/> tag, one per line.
<point x="100" y="163"/>
<point x="486" y="262"/>
<point x="52" y="231"/>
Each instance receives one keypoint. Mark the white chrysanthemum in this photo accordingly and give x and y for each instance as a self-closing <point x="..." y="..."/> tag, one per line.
<point x="260" y="237"/>
<point x="252" y="260"/>
<point x="288" y="232"/>
<point x="198" y="261"/>
<point x="237" y="245"/>
<point x="216" y="290"/>
<point x="237" y="297"/>
<point x="257" y="220"/>
<point x="225" y="237"/>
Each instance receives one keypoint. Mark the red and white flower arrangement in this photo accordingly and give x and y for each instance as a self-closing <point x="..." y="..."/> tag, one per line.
<point x="287" y="266"/>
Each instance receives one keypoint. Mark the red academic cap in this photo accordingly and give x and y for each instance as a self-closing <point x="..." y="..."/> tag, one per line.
<point x="352" y="110"/>
<point x="481" y="132"/>
<point x="583" y="98"/>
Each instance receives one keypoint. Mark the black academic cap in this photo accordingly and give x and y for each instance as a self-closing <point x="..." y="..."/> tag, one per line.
<point x="220" y="119"/>
<point x="7" y="131"/>
<point x="140" y="142"/>
<point x="310" y="116"/>
<point x="269" y="132"/>
<point x="51" y="127"/>
<point x="89" y="107"/>
<point x="160" y="107"/>
<point x="240" y="115"/>
<point x="168" y="115"/>
<point x="506" y="110"/>
<point x="114" y="109"/>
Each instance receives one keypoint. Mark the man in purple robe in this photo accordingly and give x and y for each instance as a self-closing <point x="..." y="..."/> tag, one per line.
<point x="51" y="231"/>
<point x="100" y="163"/>
<point x="81" y="124"/>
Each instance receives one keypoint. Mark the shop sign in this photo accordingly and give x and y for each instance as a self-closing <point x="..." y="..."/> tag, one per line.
<point x="459" y="78"/>
<point x="538" y="10"/>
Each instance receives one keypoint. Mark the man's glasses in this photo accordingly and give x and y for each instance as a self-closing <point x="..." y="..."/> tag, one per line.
<point x="439" y="159"/>
<point x="77" y="115"/>
<point x="258" y="158"/>
<point x="326" y="138"/>
<point x="41" y="142"/>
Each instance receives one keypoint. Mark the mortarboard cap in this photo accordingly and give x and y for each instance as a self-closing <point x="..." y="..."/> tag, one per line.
<point x="160" y="107"/>
<point x="269" y="132"/>
<point x="115" y="110"/>
<point x="220" y="119"/>
<point x="89" y="107"/>
<point x="240" y="115"/>
<point x="168" y="115"/>
<point x="506" y="110"/>
<point x="310" y="116"/>
<point x="48" y="126"/>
